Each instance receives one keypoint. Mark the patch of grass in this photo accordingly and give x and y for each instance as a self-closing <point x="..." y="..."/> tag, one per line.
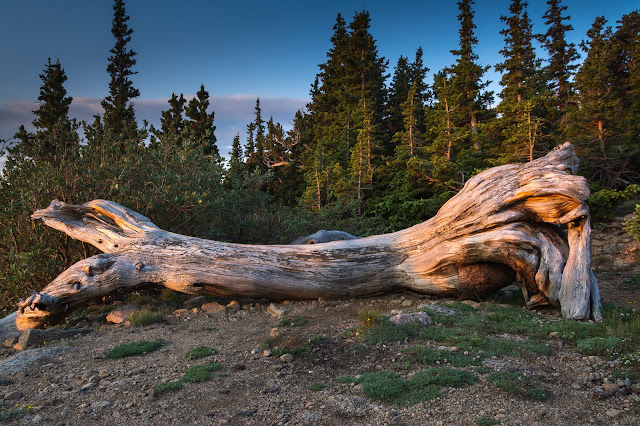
<point x="517" y="384"/>
<point x="292" y="322"/>
<point x="15" y="414"/>
<point x="598" y="345"/>
<point x="483" y="370"/>
<point x="428" y="356"/>
<point x="170" y="386"/>
<point x="387" y="387"/>
<point x="199" y="373"/>
<point x="134" y="348"/>
<point x="347" y="379"/>
<point x="316" y="386"/>
<point x="486" y="421"/>
<point x="270" y="342"/>
<point x="200" y="352"/>
<point x="369" y="318"/>
<point x="146" y="317"/>
<point x="444" y="376"/>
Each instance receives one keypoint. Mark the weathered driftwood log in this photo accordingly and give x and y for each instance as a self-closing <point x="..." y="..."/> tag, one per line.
<point x="506" y="224"/>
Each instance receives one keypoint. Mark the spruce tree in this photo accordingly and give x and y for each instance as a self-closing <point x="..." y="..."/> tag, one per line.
<point x="398" y="92"/>
<point x="466" y="76"/>
<point x="236" y="164"/>
<point x="171" y="121"/>
<point x="199" y="127"/>
<point x="55" y="132"/>
<point x="119" y="115"/>
<point x="53" y="99"/>
<point x="561" y="62"/>
<point x="523" y="90"/>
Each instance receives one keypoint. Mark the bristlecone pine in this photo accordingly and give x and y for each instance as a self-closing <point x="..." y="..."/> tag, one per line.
<point x="525" y="222"/>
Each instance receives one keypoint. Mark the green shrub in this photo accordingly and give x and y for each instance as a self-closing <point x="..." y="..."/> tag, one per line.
<point x="200" y="352"/>
<point x="169" y="386"/>
<point x="603" y="203"/>
<point x="316" y="386"/>
<point x="632" y="226"/>
<point x="387" y="387"/>
<point x="515" y="383"/>
<point x="134" y="348"/>
<point x="292" y="322"/>
<point x="199" y="373"/>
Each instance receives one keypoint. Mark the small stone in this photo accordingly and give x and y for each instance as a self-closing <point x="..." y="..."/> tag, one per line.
<point x="255" y="351"/>
<point x="439" y="309"/>
<point x="13" y="396"/>
<point x="275" y="332"/>
<point x="213" y="308"/>
<point x="194" y="302"/>
<point x="613" y="413"/>
<point x="36" y="419"/>
<point x="286" y="358"/>
<point x="122" y="314"/>
<point x="554" y="334"/>
<point x="576" y="386"/>
<point x="266" y="353"/>
<point x="627" y="382"/>
<point x="103" y="375"/>
<point x="404" y="319"/>
<point x="233" y="306"/>
<point x="610" y="387"/>
<point x="100" y="405"/>
<point x="86" y="388"/>
<point x="276" y="310"/>
<point x="407" y="303"/>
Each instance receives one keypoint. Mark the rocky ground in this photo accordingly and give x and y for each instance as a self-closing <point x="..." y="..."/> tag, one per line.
<point x="75" y="383"/>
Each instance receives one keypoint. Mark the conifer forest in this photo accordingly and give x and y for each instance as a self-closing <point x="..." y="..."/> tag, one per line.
<point x="378" y="148"/>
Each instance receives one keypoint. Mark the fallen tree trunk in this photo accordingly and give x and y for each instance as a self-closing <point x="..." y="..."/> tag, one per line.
<point x="505" y="224"/>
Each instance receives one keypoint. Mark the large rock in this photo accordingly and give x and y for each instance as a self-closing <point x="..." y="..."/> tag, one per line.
<point x="22" y="360"/>
<point x="36" y="337"/>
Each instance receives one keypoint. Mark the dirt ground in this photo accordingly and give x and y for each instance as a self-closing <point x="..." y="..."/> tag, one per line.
<point x="81" y="386"/>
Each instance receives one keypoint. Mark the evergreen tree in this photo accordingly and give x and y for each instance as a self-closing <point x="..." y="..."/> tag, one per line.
<point x="398" y="92"/>
<point x="562" y="58"/>
<point x="523" y="90"/>
<point x="53" y="99"/>
<point x="256" y="143"/>
<point x="55" y="132"/>
<point x="466" y="77"/>
<point x="350" y="95"/>
<point x="418" y="73"/>
<point x="236" y="164"/>
<point x="171" y="122"/>
<point x="200" y="128"/>
<point x="119" y="115"/>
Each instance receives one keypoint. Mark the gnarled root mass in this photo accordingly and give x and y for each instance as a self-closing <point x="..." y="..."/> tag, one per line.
<point x="521" y="221"/>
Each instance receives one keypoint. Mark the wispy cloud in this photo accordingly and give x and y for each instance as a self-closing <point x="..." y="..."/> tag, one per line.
<point x="232" y="113"/>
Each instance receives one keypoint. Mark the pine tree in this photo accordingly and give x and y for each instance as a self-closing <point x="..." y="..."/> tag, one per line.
<point x="200" y="124"/>
<point x="523" y="90"/>
<point x="562" y="58"/>
<point x="398" y="92"/>
<point x="171" y="121"/>
<point x="119" y="115"/>
<point x="418" y="73"/>
<point x="55" y="132"/>
<point x="466" y="76"/>
<point x="54" y="102"/>
<point x="256" y="143"/>
<point x="236" y="164"/>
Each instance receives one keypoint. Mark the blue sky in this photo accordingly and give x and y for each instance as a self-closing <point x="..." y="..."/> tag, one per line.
<point x="238" y="50"/>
